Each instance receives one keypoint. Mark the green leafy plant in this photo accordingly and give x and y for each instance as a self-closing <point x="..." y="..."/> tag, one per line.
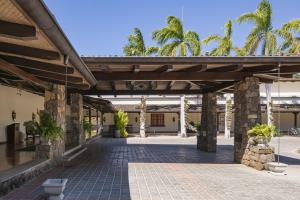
<point x="47" y="127"/>
<point x="262" y="131"/>
<point x="121" y="121"/>
<point x="31" y="126"/>
<point x="198" y="127"/>
<point x="87" y="127"/>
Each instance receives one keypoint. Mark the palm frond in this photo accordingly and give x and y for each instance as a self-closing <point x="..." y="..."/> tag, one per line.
<point x="193" y="43"/>
<point x="212" y="38"/>
<point x="151" y="50"/>
<point x="228" y="29"/>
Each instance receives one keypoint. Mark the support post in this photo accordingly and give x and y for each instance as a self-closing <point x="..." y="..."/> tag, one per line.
<point x="268" y="87"/>
<point x="207" y="139"/>
<point x="55" y="104"/>
<point x="77" y="119"/>
<point x="182" y="117"/>
<point x="90" y="119"/>
<point x="295" y="119"/>
<point x="97" y="120"/>
<point x="143" y="108"/>
<point x="228" y="116"/>
<point x="247" y="113"/>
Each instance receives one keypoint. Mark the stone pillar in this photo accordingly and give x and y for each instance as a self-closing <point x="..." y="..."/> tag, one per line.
<point x="182" y="117"/>
<point x="77" y="119"/>
<point x="207" y="139"/>
<point x="268" y="87"/>
<point x="247" y="113"/>
<point x="97" y="120"/>
<point x="228" y="115"/>
<point x="295" y="119"/>
<point x="90" y="120"/>
<point x="143" y="108"/>
<point x="55" y="104"/>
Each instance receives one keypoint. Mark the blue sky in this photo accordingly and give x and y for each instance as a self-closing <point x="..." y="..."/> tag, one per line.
<point x="101" y="27"/>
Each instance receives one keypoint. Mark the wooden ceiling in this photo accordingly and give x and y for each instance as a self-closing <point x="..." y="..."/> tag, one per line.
<point x="183" y="75"/>
<point x="29" y="60"/>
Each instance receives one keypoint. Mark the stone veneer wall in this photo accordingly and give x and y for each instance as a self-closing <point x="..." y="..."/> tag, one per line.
<point x="55" y="104"/>
<point x="258" y="156"/>
<point x="77" y="136"/>
<point x="247" y="113"/>
<point x="207" y="139"/>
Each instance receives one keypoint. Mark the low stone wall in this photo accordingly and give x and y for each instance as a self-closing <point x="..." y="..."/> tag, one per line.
<point x="15" y="177"/>
<point x="257" y="157"/>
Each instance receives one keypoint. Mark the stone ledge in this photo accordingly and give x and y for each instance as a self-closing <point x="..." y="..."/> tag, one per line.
<point x="257" y="157"/>
<point x="19" y="175"/>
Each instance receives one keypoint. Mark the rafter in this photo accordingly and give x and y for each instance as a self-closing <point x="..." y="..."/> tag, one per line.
<point x="28" y="63"/>
<point x="183" y="76"/>
<point x="165" y="68"/>
<point x="8" y="67"/>
<point x="29" y="51"/>
<point x="17" y="30"/>
<point x="55" y="76"/>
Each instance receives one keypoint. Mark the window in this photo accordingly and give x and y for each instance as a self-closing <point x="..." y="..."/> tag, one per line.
<point x="157" y="119"/>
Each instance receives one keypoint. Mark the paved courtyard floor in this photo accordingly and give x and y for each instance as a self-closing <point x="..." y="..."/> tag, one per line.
<point x="168" y="167"/>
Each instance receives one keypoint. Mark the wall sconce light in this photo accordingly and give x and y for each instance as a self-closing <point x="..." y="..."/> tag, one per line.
<point x="173" y="119"/>
<point x="104" y="119"/>
<point x="33" y="117"/>
<point x="13" y="115"/>
<point x="136" y="119"/>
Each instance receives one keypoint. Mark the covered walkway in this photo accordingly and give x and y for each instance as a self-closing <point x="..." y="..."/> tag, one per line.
<point x="167" y="168"/>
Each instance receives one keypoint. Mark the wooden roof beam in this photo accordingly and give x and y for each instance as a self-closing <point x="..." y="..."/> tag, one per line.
<point x="135" y="68"/>
<point x="29" y="51"/>
<point x="140" y="92"/>
<point x="170" y="85"/>
<point x="171" y="76"/>
<point x="55" y="76"/>
<point x="17" y="30"/>
<point x="195" y="68"/>
<point x="165" y="68"/>
<point x="28" y="63"/>
<point x="8" y="67"/>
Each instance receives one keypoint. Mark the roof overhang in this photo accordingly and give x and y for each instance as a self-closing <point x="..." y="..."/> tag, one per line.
<point x="184" y="75"/>
<point x="34" y="51"/>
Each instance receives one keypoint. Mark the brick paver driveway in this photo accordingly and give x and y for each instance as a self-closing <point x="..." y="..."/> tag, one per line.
<point x="168" y="168"/>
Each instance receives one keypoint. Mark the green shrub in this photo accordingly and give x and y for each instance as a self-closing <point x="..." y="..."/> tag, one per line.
<point x="262" y="130"/>
<point x="121" y="121"/>
<point x="48" y="128"/>
<point x="87" y="127"/>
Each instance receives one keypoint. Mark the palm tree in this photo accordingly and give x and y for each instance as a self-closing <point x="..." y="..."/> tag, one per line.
<point x="262" y="32"/>
<point x="136" y="45"/>
<point x="240" y="51"/>
<point x="174" y="41"/>
<point x="224" y="43"/>
<point x="289" y="33"/>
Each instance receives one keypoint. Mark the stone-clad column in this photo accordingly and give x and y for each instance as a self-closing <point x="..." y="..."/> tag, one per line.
<point x="77" y="119"/>
<point x="55" y="104"/>
<point x="228" y="116"/>
<point x="247" y="113"/>
<point x="182" y="117"/>
<point x="207" y="139"/>
<point x="143" y="108"/>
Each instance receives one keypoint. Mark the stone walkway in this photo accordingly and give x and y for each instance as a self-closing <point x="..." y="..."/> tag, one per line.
<point x="168" y="168"/>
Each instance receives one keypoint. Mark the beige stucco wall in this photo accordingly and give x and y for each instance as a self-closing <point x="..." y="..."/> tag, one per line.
<point x="24" y="105"/>
<point x="170" y="126"/>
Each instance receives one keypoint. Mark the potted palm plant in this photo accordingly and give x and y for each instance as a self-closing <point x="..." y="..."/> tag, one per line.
<point x="121" y="121"/>
<point x="87" y="127"/>
<point x="50" y="133"/>
<point x="261" y="134"/>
